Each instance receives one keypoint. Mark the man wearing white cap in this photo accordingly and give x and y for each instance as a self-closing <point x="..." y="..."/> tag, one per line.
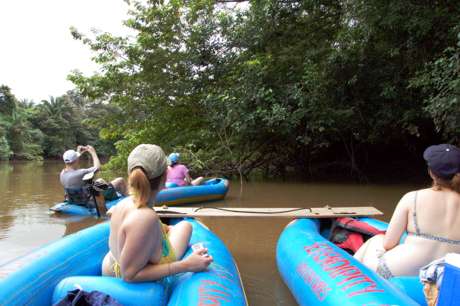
<point x="71" y="176"/>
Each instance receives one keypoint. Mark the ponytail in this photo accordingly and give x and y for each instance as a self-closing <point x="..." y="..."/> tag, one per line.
<point x="139" y="188"/>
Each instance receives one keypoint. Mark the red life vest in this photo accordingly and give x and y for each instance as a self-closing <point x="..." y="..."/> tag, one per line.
<point x="349" y="233"/>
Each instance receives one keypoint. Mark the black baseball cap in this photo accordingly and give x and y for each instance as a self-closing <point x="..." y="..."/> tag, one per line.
<point x="443" y="160"/>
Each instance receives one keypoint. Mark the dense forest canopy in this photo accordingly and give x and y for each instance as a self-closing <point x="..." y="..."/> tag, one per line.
<point x="272" y="86"/>
<point x="33" y="131"/>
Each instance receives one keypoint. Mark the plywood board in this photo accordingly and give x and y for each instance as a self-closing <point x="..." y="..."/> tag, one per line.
<point x="314" y="212"/>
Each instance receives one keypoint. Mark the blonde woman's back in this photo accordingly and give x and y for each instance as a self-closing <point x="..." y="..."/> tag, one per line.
<point x="127" y="217"/>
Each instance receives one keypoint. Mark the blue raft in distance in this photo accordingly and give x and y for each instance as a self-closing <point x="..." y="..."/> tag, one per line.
<point x="318" y="272"/>
<point x="74" y="209"/>
<point x="210" y="190"/>
<point x="44" y="276"/>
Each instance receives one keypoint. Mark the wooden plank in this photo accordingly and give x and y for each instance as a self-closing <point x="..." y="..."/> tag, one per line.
<point x="257" y="212"/>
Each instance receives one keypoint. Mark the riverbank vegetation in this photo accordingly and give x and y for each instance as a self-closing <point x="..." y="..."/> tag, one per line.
<point x="277" y="87"/>
<point x="34" y="131"/>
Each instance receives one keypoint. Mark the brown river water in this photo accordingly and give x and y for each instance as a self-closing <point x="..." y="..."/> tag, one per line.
<point x="29" y="189"/>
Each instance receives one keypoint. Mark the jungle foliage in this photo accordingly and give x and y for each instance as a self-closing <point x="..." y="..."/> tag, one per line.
<point x="34" y="131"/>
<point x="278" y="86"/>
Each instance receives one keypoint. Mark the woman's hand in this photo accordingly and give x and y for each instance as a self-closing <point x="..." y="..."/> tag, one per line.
<point x="198" y="261"/>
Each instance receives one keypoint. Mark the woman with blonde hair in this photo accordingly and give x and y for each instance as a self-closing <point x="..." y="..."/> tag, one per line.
<point x="430" y="216"/>
<point x="142" y="248"/>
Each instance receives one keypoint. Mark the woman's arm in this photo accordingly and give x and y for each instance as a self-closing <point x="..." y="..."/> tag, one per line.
<point x="142" y="238"/>
<point x="398" y="222"/>
<point x="153" y="272"/>
<point x="198" y="261"/>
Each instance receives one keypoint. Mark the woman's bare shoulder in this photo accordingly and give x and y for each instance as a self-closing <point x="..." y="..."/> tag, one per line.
<point x="415" y="196"/>
<point x="408" y="197"/>
<point x="120" y="208"/>
<point x="141" y="217"/>
<point x="412" y="195"/>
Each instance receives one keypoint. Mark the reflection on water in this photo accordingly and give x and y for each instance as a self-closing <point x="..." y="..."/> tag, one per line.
<point x="29" y="189"/>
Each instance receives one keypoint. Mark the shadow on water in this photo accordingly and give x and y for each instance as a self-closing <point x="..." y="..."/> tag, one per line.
<point x="30" y="189"/>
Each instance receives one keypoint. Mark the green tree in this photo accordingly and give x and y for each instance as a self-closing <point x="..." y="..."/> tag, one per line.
<point x="18" y="138"/>
<point x="276" y="86"/>
<point x="5" y="151"/>
<point x="440" y="84"/>
<point x="25" y="141"/>
<point x="7" y="101"/>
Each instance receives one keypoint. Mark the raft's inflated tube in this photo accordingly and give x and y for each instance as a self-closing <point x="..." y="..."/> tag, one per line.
<point x="31" y="279"/>
<point x="219" y="285"/>
<point x="411" y="286"/>
<point x="318" y="272"/>
<point x="44" y="276"/>
<point x="210" y="190"/>
<point x="74" y="209"/>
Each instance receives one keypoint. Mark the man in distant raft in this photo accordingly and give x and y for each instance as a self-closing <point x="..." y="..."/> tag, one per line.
<point x="178" y="174"/>
<point x="71" y="178"/>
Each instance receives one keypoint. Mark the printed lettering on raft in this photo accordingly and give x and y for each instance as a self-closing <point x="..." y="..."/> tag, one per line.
<point x="212" y="292"/>
<point x="336" y="265"/>
<point x="317" y="285"/>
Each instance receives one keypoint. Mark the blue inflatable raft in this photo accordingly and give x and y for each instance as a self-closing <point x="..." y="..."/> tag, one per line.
<point x="318" y="272"/>
<point x="210" y="190"/>
<point x="74" y="209"/>
<point x="44" y="276"/>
